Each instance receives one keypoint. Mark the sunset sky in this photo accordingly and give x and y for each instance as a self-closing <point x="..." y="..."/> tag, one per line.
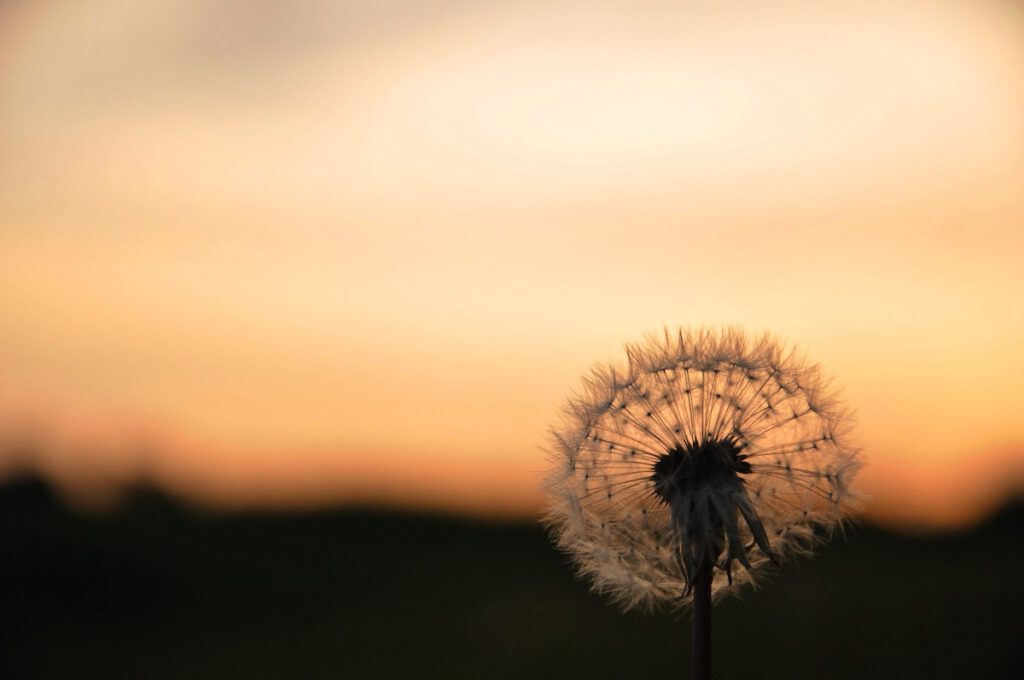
<point x="268" y="253"/>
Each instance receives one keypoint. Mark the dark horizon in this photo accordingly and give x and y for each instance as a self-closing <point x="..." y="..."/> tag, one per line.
<point x="158" y="590"/>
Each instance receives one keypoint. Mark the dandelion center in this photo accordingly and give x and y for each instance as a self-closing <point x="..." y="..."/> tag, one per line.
<point x="709" y="464"/>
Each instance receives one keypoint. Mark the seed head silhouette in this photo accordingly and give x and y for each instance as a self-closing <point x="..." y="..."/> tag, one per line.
<point x="708" y="450"/>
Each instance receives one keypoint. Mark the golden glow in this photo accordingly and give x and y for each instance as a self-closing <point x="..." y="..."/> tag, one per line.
<point x="362" y="251"/>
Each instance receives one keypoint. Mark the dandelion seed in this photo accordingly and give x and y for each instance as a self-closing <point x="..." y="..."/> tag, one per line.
<point x="740" y="459"/>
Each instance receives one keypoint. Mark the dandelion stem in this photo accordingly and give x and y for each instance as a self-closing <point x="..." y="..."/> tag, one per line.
<point x="702" y="621"/>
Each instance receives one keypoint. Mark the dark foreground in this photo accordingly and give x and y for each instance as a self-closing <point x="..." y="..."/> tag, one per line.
<point x="160" y="592"/>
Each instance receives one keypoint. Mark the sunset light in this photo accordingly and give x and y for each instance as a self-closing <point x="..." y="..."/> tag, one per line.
<point x="358" y="254"/>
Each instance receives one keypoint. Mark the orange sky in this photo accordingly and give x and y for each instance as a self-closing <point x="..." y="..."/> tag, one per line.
<point x="362" y="251"/>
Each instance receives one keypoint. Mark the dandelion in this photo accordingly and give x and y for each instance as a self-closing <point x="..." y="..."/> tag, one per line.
<point x="709" y="455"/>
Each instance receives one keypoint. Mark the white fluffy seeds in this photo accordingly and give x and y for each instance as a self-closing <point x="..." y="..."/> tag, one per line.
<point x="779" y="480"/>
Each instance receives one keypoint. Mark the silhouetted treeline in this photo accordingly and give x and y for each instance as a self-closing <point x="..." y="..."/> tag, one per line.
<point x="156" y="590"/>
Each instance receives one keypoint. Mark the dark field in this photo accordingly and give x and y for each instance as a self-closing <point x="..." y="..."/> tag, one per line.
<point x="158" y="591"/>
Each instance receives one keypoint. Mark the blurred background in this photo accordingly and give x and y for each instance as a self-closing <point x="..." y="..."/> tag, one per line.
<point x="291" y="292"/>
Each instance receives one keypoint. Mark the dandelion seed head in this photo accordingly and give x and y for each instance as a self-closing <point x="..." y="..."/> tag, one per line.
<point x="706" y="447"/>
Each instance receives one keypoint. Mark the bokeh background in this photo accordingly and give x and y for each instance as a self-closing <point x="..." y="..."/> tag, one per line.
<point x="290" y="293"/>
